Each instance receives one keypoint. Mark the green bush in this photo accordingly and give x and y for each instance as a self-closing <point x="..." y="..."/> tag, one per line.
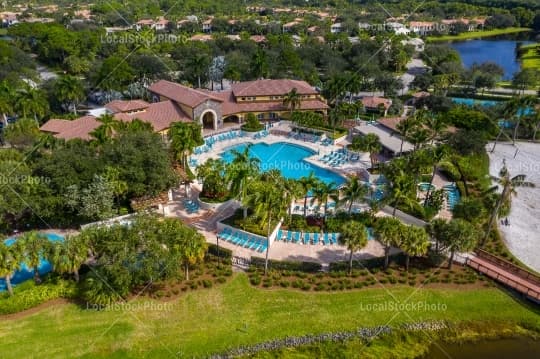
<point x="255" y="280"/>
<point x="303" y="267"/>
<point x="252" y="124"/>
<point x="207" y="283"/>
<point x="28" y="295"/>
<point x="371" y="263"/>
<point x="223" y="252"/>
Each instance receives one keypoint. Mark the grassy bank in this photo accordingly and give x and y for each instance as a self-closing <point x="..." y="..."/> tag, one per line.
<point x="214" y="320"/>
<point x="478" y="34"/>
<point x="531" y="56"/>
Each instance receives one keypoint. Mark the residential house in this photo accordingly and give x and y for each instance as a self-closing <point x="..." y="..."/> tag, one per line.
<point x="423" y="28"/>
<point x="377" y="104"/>
<point x="336" y="28"/>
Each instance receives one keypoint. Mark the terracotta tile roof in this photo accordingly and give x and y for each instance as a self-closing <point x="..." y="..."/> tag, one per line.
<point x="258" y="38"/>
<point x="271" y="87"/>
<point x="231" y="107"/>
<point x="181" y="94"/>
<point x="160" y="115"/>
<point x="201" y="37"/>
<point x="126" y="106"/>
<point x="421" y="24"/>
<point x="374" y="102"/>
<point x="421" y="94"/>
<point x="55" y="125"/>
<point x="68" y="130"/>
<point x="391" y="122"/>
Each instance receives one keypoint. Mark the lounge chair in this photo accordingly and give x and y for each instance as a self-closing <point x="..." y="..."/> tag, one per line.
<point x="307" y="238"/>
<point x="315" y="238"/>
<point x="289" y="236"/>
<point x="279" y="235"/>
<point x="334" y="238"/>
<point x="297" y="237"/>
<point x="326" y="239"/>
<point x="262" y="247"/>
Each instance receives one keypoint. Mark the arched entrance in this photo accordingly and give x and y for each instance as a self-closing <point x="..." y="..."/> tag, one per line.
<point x="209" y="120"/>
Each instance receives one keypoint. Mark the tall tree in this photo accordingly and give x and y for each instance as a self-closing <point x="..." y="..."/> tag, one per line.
<point x="69" y="91"/>
<point x="307" y="183"/>
<point x="458" y="235"/>
<point x="354" y="237"/>
<point x="509" y="185"/>
<point x="292" y="100"/>
<point x="242" y="169"/>
<point x="353" y="191"/>
<point x="414" y="242"/>
<point x="10" y="261"/>
<point x="69" y="255"/>
<point x="34" y="247"/>
<point x="387" y="230"/>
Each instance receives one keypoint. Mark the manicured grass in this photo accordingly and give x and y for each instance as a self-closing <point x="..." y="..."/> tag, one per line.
<point x="478" y="34"/>
<point x="531" y="58"/>
<point x="234" y="314"/>
<point x="3" y="32"/>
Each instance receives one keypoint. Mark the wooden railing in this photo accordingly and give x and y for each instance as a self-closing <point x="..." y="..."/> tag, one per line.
<point x="509" y="267"/>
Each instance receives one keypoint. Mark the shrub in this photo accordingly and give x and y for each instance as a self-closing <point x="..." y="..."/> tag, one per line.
<point x="284" y="283"/>
<point x="320" y="287"/>
<point x="223" y="252"/>
<point x="207" y="283"/>
<point x="306" y="286"/>
<point x="221" y="280"/>
<point x="298" y="283"/>
<point x="370" y="263"/>
<point x="255" y="280"/>
<point x="28" y="295"/>
<point x="252" y="124"/>
<point x="305" y="267"/>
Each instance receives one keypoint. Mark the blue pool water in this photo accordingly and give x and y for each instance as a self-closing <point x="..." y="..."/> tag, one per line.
<point x="453" y="195"/>
<point x="287" y="158"/>
<point x="472" y="102"/>
<point x="27" y="273"/>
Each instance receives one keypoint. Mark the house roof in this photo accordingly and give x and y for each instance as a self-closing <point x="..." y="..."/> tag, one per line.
<point x="231" y="107"/>
<point x="374" y="102"/>
<point x="390" y="122"/>
<point x="271" y="87"/>
<point x="181" y="94"/>
<point x="160" y="115"/>
<point x="68" y="130"/>
<point x="258" y="38"/>
<point x="386" y="138"/>
<point x="126" y="106"/>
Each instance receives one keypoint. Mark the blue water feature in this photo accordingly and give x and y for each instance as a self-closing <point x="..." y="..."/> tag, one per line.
<point x="472" y="102"/>
<point x="287" y="158"/>
<point x="26" y="273"/>
<point x="453" y="195"/>
<point x="501" y="52"/>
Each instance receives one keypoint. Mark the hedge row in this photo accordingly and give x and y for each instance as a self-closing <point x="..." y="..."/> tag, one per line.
<point x="223" y="252"/>
<point x="308" y="267"/>
<point x="367" y="263"/>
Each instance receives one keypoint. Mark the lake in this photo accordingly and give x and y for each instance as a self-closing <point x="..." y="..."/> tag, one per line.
<point x="519" y="347"/>
<point x="502" y="51"/>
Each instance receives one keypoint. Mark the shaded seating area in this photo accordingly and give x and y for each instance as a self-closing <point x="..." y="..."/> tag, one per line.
<point x="211" y="140"/>
<point x="191" y="206"/>
<point x="261" y="134"/>
<point x="243" y="239"/>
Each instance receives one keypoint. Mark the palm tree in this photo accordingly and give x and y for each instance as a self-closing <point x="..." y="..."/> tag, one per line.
<point x="268" y="202"/>
<point x="31" y="101"/>
<point x="387" y="231"/>
<point x="518" y="106"/>
<point x="69" y="255"/>
<point x="105" y="131"/>
<point x="354" y="237"/>
<point x="7" y="97"/>
<point x="307" y="183"/>
<point x="69" y="90"/>
<point x="34" y="246"/>
<point x="414" y="242"/>
<point x="193" y="251"/>
<point x="198" y="66"/>
<point x="458" y="235"/>
<point x="323" y="192"/>
<point x="437" y="155"/>
<point x="10" y="262"/>
<point x="405" y="128"/>
<point x="508" y="184"/>
<point x="242" y="169"/>
<point x="292" y="100"/>
<point x="259" y="64"/>
<point x="436" y="126"/>
<point x="353" y="191"/>
<point x="369" y="143"/>
<point x="184" y="138"/>
<point x="293" y="191"/>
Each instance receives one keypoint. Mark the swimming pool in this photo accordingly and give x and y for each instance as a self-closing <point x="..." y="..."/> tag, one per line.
<point x="487" y="103"/>
<point x="287" y="158"/>
<point x="26" y="273"/>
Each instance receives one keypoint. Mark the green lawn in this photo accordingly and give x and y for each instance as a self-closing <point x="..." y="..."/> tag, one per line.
<point x="3" y="32"/>
<point x="531" y="58"/>
<point x="478" y="34"/>
<point x="234" y="314"/>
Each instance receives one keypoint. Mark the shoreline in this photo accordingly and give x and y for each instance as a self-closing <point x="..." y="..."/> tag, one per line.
<point x="475" y="35"/>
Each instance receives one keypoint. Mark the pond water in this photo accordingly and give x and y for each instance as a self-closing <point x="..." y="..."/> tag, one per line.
<point x="520" y="347"/>
<point x="502" y="51"/>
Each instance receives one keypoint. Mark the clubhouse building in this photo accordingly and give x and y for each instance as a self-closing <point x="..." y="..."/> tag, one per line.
<point x="214" y="110"/>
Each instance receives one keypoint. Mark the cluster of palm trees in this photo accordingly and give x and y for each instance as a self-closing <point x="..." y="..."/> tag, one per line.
<point x="26" y="101"/>
<point x="32" y="248"/>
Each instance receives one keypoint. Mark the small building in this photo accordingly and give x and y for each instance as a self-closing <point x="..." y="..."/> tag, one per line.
<point x="391" y="141"/>
<point x="416" y="42"/>
<point x="207" y="25"/>
<point x="8" y="18"/>
<point x="377" y="104"/>
<point x="423" y="28"/>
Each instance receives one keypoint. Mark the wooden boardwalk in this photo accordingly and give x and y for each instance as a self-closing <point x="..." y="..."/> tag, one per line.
<point x="507" y="273"/>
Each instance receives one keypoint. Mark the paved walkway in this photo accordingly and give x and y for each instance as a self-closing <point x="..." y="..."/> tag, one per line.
<point x="504" y="276"/>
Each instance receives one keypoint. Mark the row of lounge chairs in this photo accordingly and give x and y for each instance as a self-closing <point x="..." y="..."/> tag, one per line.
<point x="222" y="137"/>
<point x="191" y="206"/>
<point x="307" y="238"/>
<point x="261" y="134"/>
<point x="243" y="240"/>
<point x="305" y="137"/>
<point x="338" y="158"/>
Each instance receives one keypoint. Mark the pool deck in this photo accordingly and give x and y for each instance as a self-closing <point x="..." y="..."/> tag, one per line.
<point x="347" y="169"/>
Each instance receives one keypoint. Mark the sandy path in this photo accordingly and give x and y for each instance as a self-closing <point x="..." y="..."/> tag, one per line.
<point x="523" y="234"/>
